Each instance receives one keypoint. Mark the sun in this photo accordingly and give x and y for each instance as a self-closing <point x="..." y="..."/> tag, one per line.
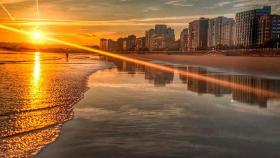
<point x="37" y="35"/>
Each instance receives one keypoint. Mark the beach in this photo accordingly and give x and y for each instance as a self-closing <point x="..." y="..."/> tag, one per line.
<point x="78" y="105"/>
<point x="140" y="79"/>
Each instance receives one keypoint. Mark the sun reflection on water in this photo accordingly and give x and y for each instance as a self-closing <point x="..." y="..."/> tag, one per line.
<point x="36" y="80"/>
<point x="37" y="69"/>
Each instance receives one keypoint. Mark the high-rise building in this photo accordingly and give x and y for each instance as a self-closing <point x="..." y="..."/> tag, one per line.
<point x="269" y="31"/>
<point x="141" y="44"/>
<point x="160" y="38"/>
<point x="247" y="26"/>
<point x="184" y="40"/>
<point x="103" y="44"/>
<point x="170" y="34"/>
<point x="120" y="44"/>
<point x="129" y="43"/>
<point x="148" y="36"/>
<point x="125" y="44"/>
<point x="198" y="33"/>
<point x="160" y="29"/>
<point x="108" y="45"/>
<point x="158" y="43"/>
<point x="228" y="33"/>
<point x="215" y="30"/>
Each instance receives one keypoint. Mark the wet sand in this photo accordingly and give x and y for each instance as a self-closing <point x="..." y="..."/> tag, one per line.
<point x="261" y="66"/>
<point x="124" y="114"/>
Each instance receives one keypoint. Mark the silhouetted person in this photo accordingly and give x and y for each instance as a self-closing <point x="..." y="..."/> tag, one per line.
<point x="67" y="57"/>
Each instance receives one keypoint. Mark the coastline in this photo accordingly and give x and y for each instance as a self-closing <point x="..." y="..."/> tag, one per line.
<point x="101" y="66"/>
<point x="86" y="82"/>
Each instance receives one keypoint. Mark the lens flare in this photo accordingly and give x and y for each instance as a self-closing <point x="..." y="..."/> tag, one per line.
<point x="7" y="11"/>
<point x="37" y="10"/>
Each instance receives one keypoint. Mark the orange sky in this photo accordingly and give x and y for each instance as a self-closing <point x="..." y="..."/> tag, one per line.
<point x="86" y="21"/>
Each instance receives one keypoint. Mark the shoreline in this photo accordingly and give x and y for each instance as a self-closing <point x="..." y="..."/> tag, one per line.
<point x="50" y="116"/>
<point x="267" y="52"/>
<point x="86" y="89"/>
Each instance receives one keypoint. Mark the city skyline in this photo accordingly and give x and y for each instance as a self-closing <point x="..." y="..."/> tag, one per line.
<point x="88" y="21"/>
<point x="254" y="28"/>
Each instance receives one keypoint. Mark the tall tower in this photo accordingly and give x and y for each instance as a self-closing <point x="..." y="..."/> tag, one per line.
<point x="247" y="26"/>
<point x="198" y="32"/>
<point x="215" y="30"/>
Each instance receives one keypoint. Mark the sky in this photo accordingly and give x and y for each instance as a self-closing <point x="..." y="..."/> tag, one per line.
<point x="86" y="21"/>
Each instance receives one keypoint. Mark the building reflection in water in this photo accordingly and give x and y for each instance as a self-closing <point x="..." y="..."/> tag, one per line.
<point x="159" y="78"/>
<point x="162" y="78"/>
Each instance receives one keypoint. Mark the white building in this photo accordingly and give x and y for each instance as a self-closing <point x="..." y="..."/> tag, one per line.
<point x="228" y="34"/>
<point x="215" y="29"/>
<point x="184" y="40"/>
<point x="160" y="38"/>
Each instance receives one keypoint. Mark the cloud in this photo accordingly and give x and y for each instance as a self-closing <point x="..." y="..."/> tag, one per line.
<point x="12" y="1"/>
<point x="122" y="16"/>
<point x="149" y="9"/>
<point x="172" y="20"/>
<point x="225" y="3"/>
<point x="235" y="6"/>
<point x="180" y="3"/>
<point x="247" y="3"/>
<point x="185" y="18"/>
